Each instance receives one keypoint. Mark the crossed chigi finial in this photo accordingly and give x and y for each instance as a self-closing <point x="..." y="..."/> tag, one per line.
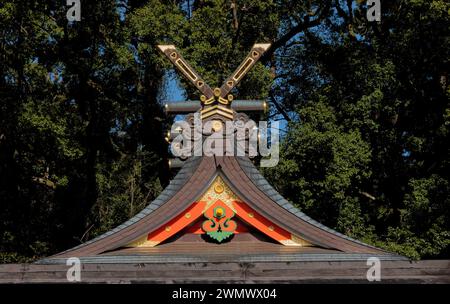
<point x="218" y="100"/>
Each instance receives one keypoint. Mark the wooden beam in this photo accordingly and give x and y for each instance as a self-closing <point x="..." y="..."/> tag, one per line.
<point x="175" y="163"/>
<point x="184" y="107"/>
<point x="185" y="68"/>
<point x="252" y="58"/>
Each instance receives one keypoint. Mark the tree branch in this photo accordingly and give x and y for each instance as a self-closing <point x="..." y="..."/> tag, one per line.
<point x="306" y="24"/>
<point x="278" y="107"/>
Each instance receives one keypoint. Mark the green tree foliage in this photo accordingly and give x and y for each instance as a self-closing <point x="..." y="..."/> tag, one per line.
<point x="218" y="36"/>
<point x="81" y="126"/>
<point x="328" y="164"/>
<point x="386" y="85"/>
<point x="366" y="149"/>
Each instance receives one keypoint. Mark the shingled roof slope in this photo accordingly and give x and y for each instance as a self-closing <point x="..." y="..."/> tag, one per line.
<point x="242" y="177"/>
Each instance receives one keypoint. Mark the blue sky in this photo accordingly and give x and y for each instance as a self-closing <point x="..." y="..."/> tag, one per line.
<point x="173" y="90"/>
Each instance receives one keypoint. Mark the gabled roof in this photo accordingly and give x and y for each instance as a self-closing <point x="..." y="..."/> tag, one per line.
<point x="187" y="187"/>
<point x="212" y="197"/>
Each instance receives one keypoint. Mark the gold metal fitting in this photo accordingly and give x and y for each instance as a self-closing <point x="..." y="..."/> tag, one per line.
<point x="217" y="92"/>
<point x="218" y="188"/>
<point x="219" y="212"/>
<point x="216" y="125"/>
<point x="208" y="101"/>
<point x="223" y="100"/>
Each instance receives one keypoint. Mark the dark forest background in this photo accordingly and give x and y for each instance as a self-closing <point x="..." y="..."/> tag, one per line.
<point x="366" y="147"/>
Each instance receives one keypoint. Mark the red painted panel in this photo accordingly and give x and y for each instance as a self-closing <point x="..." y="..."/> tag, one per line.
<point x="256" y="220"/>
<point x="243" y="211"/>
<point x="177" y="223"/>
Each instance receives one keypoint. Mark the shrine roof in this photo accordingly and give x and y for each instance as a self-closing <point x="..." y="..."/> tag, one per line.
<point x="248" y="183"/>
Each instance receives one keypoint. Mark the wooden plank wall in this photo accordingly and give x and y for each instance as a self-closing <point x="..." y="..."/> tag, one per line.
<point x="428" y="271"/>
